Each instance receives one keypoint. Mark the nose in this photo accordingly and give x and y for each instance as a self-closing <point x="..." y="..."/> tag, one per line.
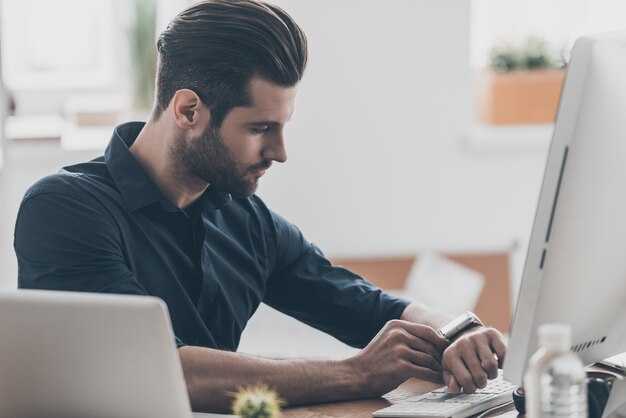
<point x="275" y="149"/>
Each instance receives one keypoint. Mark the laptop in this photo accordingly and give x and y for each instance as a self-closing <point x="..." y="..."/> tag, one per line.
<point x="70" y="354"/>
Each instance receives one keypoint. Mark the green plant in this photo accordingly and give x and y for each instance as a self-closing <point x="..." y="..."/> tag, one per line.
<point x="257" y="402"/>
<point x="534" y="54"/>
<point x="143" y="54"/>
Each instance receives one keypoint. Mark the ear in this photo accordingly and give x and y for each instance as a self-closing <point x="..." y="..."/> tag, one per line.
<point x="188" y="111"/>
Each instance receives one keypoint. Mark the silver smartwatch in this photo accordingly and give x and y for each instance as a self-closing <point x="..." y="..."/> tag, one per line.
<point x="460" y="324"/>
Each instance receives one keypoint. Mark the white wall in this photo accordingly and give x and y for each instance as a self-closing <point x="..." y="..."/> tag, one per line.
<point x="5" y="249"/>
<point x="378" y="160"/>
<point x="37" y="93"/>
<point x="3" y="106"/>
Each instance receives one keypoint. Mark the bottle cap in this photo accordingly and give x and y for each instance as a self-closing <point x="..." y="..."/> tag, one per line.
<point x="555" y="336"/>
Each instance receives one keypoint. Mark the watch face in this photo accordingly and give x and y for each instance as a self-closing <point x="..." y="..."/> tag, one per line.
<point x="457" y="325"/>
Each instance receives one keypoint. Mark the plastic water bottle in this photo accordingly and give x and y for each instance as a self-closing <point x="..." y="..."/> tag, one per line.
<point x="555" y="383"/>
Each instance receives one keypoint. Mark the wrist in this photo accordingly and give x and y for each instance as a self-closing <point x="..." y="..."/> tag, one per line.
<point x="359" y="376"/>
<point x="421" y="314"/>
<point x="460" y="325"/>
<point x="468" y="330"/>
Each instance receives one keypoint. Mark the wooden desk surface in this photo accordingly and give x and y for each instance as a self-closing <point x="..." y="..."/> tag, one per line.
<point x="364" y="408"/>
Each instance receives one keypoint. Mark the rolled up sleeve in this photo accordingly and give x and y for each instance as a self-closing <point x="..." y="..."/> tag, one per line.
<point x="307" y="286"/>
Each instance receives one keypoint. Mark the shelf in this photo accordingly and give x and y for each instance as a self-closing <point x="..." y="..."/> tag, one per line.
<point x="509" y="139"/>
<point x="37" y="126"/>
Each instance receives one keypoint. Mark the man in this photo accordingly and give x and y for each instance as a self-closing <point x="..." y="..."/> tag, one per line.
<point x="170" y="211"/>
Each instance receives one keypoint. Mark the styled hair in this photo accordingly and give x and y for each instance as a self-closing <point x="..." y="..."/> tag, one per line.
<point x="214" y="47"/>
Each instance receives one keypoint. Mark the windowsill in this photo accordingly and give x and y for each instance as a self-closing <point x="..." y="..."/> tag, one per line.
<point x="55" y="128"/>
<point x="34" y="127"/>
<point x="509" y="139"/>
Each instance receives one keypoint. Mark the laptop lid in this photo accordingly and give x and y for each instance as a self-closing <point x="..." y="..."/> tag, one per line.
<point x="69" y="354"/>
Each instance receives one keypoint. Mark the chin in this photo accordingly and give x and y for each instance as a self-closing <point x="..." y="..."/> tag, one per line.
<point x="243" y="192"/>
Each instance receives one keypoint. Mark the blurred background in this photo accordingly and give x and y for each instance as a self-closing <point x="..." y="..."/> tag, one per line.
<point x="421" y="128"/>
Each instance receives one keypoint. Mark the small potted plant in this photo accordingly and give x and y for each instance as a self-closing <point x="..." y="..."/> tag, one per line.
<point x="258" y="401"/>
<point x="522" y="84"/>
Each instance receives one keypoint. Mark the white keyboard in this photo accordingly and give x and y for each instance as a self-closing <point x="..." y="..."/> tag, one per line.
<point x="442" y="404"/>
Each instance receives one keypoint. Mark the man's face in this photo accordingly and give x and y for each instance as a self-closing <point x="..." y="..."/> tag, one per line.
<point x="234" y="156"/>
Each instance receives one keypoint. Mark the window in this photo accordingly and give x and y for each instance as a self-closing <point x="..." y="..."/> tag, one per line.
<point x="559" y="22"/>
<point x="497" y="22"/>
<point x="57" y="44"/>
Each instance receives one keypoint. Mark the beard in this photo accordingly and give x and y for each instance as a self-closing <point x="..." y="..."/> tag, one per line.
<point x="207" y="158"/>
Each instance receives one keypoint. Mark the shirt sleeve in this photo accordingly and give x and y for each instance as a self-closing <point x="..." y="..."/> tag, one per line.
<point x="66" y="240"/>
<point x="305" y="285"/>
<point x="178" y="342"/>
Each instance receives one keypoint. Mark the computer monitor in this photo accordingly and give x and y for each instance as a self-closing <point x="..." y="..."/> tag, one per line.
<point x="575" y="271"/>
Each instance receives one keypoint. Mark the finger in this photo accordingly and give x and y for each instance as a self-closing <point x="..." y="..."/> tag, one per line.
<point x="454" y="386"/>
<point x="420" y="345"/>
<point x="499" y="347"/>
<point x="426" y="333"/>
<point x="463" y="377"/>
<point x="488" y="360"/>
<point x="450" y="382"/>
<point x="473" y="363"/>
<point x="422" y="359"/>
<point x="425" y="373"/>
<point x="416" y="343"/>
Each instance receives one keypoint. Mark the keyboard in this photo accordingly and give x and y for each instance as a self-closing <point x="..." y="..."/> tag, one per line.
<point x="442" y="404"/>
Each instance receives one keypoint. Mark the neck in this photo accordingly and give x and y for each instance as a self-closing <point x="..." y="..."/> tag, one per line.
<point x="151" y="150"/>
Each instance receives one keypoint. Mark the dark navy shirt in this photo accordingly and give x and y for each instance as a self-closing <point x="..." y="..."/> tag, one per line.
<point x="104" y="226"/>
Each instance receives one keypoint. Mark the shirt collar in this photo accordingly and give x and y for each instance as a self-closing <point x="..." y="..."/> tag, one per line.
<point x="136" y="187"/>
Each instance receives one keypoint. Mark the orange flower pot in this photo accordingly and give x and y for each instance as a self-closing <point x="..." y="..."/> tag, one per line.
<point x="519" y="97"/>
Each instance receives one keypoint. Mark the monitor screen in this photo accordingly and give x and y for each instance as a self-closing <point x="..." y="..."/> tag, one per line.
<point x="575" y="271"/>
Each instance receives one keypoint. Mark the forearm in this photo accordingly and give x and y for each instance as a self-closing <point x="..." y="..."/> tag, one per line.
<point x="421" y="314"/>
<point x="212" y="376"/>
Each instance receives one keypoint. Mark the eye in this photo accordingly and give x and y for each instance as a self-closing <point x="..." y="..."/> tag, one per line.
<point x="260" y="130"/>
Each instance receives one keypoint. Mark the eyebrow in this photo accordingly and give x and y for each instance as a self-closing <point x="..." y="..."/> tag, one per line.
<point x="264" y="122"/>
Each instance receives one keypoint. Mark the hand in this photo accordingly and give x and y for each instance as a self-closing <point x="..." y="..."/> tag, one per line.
<point x="472" y="359"/>
<point x="400" y="350"/>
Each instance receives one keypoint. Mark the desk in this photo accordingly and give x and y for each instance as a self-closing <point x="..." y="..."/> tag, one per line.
<point x="364" y="408"/>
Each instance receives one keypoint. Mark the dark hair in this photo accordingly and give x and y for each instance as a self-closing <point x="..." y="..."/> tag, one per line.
<point x="215" y="47"/>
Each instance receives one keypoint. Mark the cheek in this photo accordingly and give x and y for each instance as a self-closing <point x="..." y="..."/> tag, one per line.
<point x="248" y="151"/>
